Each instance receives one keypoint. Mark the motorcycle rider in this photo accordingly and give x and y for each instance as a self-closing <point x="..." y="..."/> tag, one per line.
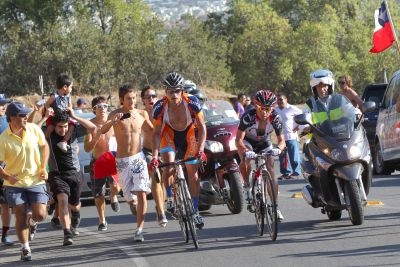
<point x="254" y="135"/>
<point x="322" y="84"/>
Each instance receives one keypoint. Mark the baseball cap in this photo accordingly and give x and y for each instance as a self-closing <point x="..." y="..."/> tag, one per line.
<point x="16" y="108"/>
<point x="81" y="101"/>
<point x="4" y="100"/>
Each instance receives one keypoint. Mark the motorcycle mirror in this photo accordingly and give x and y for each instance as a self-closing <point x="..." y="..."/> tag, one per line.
<point x="301" y="119"/>
<point x="369" y="106"/>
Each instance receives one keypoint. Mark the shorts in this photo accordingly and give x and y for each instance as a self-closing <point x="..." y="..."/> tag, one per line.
<point x="182" y="143"/>
<point x="26" y="195"/>
<point x="259" y="147"/>
<point x="133" y="175"/>
<point x="98" y="185"/>
<point x="148" y="154"/>
<point x="67" y="182"/>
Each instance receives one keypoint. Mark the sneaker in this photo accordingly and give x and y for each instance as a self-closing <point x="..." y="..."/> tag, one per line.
<point x="103" y="226"/>
<point x="6" y="241"/>
<point x="68" y="240"/>
<point x="115" y="206"/>
<point x="74" y="231"/>
<point x="51" y="208"/>
<point x="171" y="206"/>
<point x="293" y="176"/>
<point x="133" y="209"/>
<point x="26" y="254"/>
<point x="55" y="223"/>
<point x="279" y="215"/>
<point x="63" y="146"/>
<point x="139" y="236"/>
<point x="32" y="231"/>
<point x="162" y="220"/>
<point x="283" y="177"/>
<point x="75" y="221"/>
<point x="198" y="220"/>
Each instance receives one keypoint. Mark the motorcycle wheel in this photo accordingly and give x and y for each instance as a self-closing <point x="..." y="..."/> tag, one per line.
<point x="204" y="207"/>
<point x="353" y="202"/>
<point x="236" y="201"/>
<point x="334" y="215"/>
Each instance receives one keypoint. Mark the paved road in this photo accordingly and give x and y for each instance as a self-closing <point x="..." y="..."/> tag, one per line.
<point x="306" y="238"/>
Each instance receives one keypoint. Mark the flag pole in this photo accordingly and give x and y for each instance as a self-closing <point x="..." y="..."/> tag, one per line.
<point x="392" y="25"/>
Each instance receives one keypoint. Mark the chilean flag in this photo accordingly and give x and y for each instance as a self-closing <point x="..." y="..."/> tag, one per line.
<point x="383" y="36"/>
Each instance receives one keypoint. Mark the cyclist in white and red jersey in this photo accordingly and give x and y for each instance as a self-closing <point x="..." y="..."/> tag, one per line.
<point x="254" y="136"/>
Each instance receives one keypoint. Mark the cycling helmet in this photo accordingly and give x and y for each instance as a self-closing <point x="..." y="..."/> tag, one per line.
<point x="199" y="94"/>
<point x="173" y="80"/>
<point x="322" y="76"/>
<point x="265" y="98"/>
<point x="188" y="86"/>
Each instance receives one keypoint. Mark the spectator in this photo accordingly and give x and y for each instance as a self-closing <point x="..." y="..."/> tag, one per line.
<point x="290" y="128"/>
<point x="248" y="104"/>
<point x="80" y="105"/>
<point x="346" y="89"/>
<point x="238" y="105"/>
<point x="5" y="209"/>
<point x="25" y="172"/>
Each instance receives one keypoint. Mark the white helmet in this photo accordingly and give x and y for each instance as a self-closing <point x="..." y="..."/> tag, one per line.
<point x="322" y="76"/>
<point x="188" y="86"/>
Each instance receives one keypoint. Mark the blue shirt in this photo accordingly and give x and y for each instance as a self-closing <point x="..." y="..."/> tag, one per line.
<point x="3" y="123"/>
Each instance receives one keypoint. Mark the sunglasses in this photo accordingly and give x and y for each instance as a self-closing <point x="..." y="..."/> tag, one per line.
<point x="22" y="115"/>
<point x="260" y="108"/>
<point x="150" y="97"/>
<point x="104" y="106"/>
<point x="342" y="82"/>
<point x="176" y="91"/>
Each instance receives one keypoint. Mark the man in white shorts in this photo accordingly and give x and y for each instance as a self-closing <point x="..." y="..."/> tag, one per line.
<point x="128" y="123"/>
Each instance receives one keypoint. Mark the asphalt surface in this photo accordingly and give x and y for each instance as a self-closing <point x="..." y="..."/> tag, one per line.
<point x="305" y="238"/>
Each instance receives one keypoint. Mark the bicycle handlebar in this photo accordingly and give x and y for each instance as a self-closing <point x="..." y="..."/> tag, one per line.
<point x="176" y="162"/>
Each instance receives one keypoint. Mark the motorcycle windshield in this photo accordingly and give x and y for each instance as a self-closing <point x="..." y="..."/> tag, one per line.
<point x="337" y="117"/>
<point x="218" y="112"/>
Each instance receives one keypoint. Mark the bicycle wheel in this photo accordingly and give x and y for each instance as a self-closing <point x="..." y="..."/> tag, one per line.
<point x="258" y="204"/>
<point x="270" y="205"/>
<point x="180" y="211"/>
<point x="189" y="211"/>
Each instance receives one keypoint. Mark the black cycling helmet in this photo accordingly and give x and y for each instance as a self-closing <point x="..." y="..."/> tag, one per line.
<point x="199" y="94"/>
<point x="173" y="80"/>
<point x="265" y="98"/>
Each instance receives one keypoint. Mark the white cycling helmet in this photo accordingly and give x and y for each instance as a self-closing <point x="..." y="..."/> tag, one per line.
<point x="188" y="86"/>
<point x="322" y="76"/>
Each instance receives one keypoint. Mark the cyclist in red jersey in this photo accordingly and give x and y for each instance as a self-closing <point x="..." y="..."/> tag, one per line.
<point x="254" y="136"/>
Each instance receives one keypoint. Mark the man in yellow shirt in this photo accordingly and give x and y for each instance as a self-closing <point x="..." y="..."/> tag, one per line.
<point x="25" y="172"/>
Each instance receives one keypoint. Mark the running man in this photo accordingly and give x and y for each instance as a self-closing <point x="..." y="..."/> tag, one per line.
<point x="64" y="177"/>
<point x="149" y="98"/>
<point x="24" y="150"/>
<point x="175" y="117"/>
<point x="98" y="144"/>
<point x="128" y="124"/>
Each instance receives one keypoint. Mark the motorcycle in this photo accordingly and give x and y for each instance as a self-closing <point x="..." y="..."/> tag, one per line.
<point x="337" y="165"/>
<point x="221" y="181"/>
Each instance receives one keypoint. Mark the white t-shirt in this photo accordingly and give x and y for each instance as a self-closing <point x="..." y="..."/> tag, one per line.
<point x="288" y="124"/>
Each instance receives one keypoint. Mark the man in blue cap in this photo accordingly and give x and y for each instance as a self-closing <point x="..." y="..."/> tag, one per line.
<point x="25" y="152"/>
<point x="5" y="209"/>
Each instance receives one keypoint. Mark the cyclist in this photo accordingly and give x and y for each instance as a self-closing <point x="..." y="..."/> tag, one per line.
<point x="254" y="136"/>
<point x="175" y="116"/>
<point x="200" y="95"/>
<point x="188" y="86"/>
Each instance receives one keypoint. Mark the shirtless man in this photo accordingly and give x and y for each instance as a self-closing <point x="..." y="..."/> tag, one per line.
<point x="346" y="84"/>
<point x="98" y="144"/>
<point x="149" y="98"/>
<point x="128" y="123"/>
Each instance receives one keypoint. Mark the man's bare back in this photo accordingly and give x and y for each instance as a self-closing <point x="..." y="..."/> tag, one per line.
<point x="127" y="132"/>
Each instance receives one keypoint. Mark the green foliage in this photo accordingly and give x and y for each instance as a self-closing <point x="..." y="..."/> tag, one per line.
<point x="272" y="44"/>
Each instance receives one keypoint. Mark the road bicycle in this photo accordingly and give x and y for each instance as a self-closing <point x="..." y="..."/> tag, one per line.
<point x="263" y="196"/>
<point x="184" y="209"/>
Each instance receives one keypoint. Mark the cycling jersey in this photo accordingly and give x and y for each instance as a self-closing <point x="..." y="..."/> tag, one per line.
<point x="259" y="138"/>
<point x="172" y="140"/>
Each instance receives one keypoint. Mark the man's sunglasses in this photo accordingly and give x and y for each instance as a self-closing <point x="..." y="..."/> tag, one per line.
<point x="22" y="115"/>
<point x="104" y="106"/>
<point x="260" y="108"/>
<point x="176" y="91"/>
<point x="150" y="97"/>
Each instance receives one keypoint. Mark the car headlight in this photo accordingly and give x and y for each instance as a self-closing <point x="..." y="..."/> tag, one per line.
<point x="214" y="146"/>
